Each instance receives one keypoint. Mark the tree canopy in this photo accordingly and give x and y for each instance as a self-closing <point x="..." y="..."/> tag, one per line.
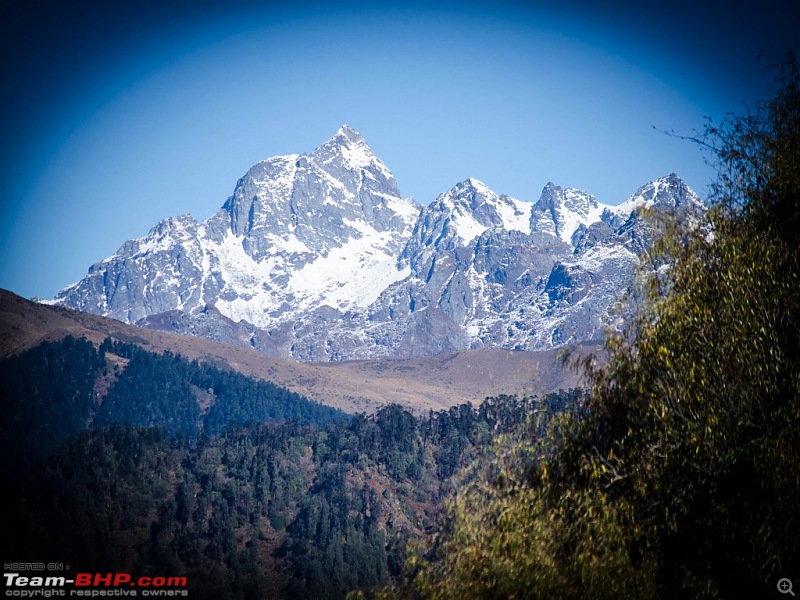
<point x="681" y="476"/>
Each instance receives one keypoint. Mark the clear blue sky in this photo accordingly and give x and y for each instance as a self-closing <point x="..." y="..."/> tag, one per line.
<point x="118" y="114"/>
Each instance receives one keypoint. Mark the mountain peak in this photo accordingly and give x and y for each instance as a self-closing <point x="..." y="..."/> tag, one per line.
<point x="348" y="133"/>
<point x="554" y="197"/>
<point x="477" y="185"/>
<point x="469" y="194"/>
<point x="348" y="149"/>
<point x="560" y="211"/>
<point x="665" y="193"/>
<point x="346" y="138"/>
<point x="316" y="256"/>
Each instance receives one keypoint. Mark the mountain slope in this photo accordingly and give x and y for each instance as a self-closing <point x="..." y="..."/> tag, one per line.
<point x="317" y="257"/>
<point x="420" y="384"/>
<point x="280" y="240"/>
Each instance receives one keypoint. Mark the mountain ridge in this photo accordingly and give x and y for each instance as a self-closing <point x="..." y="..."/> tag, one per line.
<point x="317" y="257"/>
<point x="421" y="384"/>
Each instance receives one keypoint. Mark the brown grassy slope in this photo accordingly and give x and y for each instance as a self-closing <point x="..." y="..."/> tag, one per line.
<point x="420" y="384"/>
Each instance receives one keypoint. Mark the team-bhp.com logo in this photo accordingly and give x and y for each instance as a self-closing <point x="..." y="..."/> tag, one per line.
<point x="93" y="585"/>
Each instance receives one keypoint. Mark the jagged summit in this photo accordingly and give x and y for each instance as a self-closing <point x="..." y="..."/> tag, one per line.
<point x="476" y="185"/>
<point x="669" y="192"/>
<point x="561" y="211"/>
<point x="348" y="150"/>
<point x="345" y="132"/>
<point x="317" y="256"/>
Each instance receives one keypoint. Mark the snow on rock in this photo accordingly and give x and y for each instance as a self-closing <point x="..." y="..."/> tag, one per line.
<point x="352" y="275"/>
<point x="318" y="257"/>
<point x="561" y="211"/>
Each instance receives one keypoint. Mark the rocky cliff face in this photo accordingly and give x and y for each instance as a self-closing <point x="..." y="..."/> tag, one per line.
<point x="318" y="257"/>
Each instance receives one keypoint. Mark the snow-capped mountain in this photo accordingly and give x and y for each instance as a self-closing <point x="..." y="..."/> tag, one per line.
<point x="318" y="257"/>
<point x="560" y="211"/>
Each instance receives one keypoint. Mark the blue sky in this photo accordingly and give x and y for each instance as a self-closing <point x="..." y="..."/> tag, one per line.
<point x="118" y="114"/>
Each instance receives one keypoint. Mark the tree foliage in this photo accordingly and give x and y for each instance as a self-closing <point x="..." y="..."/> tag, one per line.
<point x="47" y="394"/>
<point x="681" y="478"/>
<point x="282" y="508"/>
<point x="60" y="388"/>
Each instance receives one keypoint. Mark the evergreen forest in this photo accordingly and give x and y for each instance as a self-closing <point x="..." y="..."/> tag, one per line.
<point x="119" y="459"/>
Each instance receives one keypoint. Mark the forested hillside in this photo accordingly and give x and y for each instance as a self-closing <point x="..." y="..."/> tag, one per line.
<point x="117" y="459"/>
<point x="60" y="388"/>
